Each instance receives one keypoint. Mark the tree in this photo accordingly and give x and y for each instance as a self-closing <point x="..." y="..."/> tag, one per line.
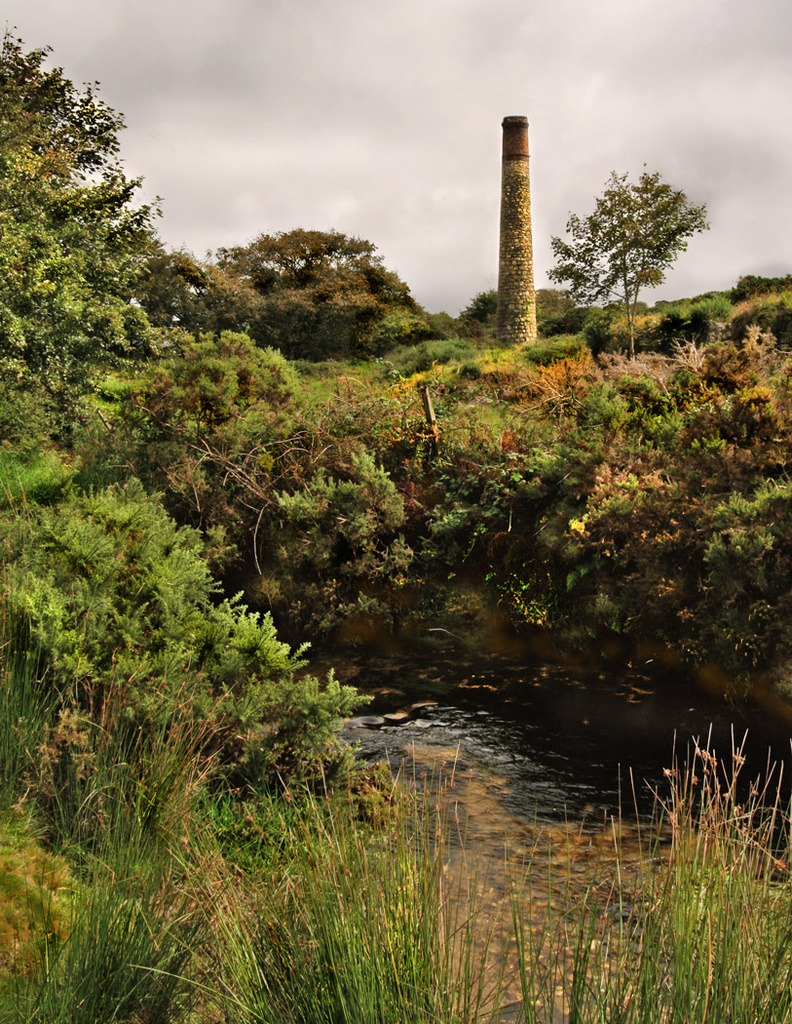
<point x="177" y="290"/>
<point x="71" y="238"/>
<point x="556" y="312"/>
<point x="633" y="236"/>
<point x="482" y="308"/>
<point x="325" y="294"/>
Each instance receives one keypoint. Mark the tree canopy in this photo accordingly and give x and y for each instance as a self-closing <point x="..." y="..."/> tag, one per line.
<point x="296" y="258"/>
<point x="325" y="294"/>
<point x="633" y="236"/>
<point x="177" y="290"/>
<point x="72" y="237"/>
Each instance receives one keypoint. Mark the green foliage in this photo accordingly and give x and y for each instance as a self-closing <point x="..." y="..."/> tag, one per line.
<point x="598" y="328"/>
<point x="202" y="427"/>
<point x="543" y="353"/>
<point x="124" y="960"/>
<point x="176" y="290"/>
<point x="72" y="240"/>
<point x="634" y="234"/>
<point x="695" y="321"/>
<point x="369" y="930"/>
<point x="556" y="313"/>
<point x="26" y="710"/>
<point x="324" y="295"/>
<point x="340" y="539"/>
<point x="401" y="327"/>
<point x="482" y="308"/>
<point x="750" y="286"/>
<point x="123" y="609"/>
<point x="30" y="473"/>
<point x="771" y="314"/>
<point x="441" y="325"/>
<point x="211" y="381"/>
<point x="422" y="357"/>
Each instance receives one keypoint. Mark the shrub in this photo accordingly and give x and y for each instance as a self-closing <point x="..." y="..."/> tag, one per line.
<point x="598" y="328"/>
<point x="422" y="357"/>
<point x="213" y="380"/>
<point x="542" y="353"/>
<point x="750" y="286"/>
<point x="770" y="314"/>
<point x="123" y="608"/>
<point x="339" y="537"/>
<point x="482" y="308"/>
<point x="400" y="327"/>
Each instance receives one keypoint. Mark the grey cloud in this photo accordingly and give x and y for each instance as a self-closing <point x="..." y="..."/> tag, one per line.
<point x="383" y="119"/>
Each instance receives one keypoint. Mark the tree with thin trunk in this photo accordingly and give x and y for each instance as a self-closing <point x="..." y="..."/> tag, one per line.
<point x="633" y="236"/>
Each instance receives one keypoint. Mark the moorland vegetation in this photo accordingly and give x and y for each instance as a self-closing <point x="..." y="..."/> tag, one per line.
<point x="205" y="462"/>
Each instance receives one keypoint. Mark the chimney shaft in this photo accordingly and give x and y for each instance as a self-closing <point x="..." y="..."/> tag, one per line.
<point x="516" y="296"/>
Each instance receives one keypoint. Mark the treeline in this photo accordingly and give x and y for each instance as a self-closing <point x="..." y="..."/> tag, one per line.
<point x="701" y="319"/>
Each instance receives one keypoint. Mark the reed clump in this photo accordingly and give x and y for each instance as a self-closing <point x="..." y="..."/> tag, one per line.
<point x="697" y="922"/>
<point x="364" y="925"/>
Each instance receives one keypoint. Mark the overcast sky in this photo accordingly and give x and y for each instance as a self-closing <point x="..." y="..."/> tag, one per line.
<point x="381" y="118"/>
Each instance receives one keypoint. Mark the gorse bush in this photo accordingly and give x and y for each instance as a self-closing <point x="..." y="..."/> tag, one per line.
<point x="340" y="538"/>
<point x="211" y="381"/>
<point x="119" y="601"/>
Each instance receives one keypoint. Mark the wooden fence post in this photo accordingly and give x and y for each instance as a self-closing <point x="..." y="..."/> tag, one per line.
<point x="431" y="422"/>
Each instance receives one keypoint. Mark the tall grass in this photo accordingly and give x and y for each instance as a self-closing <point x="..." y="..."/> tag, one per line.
<point x="25" y="711"/>
<point x="363" y="927"/>
<point x="701" y="932"/>
<point x="131" y="938"/>
<point x="34" y="475"/>
<point x="122" y="813"/>
<point x="116" y="801"/>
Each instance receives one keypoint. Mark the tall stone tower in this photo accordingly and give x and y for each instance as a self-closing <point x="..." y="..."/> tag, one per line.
<point x="516" y="296"/>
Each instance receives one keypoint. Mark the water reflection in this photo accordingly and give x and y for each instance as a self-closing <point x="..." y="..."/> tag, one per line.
<point x="551" y="746"/>
<point x="534" y="766"/>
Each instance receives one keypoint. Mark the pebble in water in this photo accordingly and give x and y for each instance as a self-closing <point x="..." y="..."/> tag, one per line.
<point x="367" y="722"/>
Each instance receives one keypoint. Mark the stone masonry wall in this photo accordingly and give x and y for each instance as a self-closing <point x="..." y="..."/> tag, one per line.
<point x="516" y="323"/>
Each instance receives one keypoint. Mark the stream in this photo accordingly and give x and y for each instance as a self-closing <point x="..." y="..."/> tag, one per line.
<point x="551" y="745"/>
<point x="551" y="764"/>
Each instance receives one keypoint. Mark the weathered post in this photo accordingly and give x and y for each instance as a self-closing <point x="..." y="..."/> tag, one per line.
<point x="516" y="322"/>
<point x="431" y="422"/>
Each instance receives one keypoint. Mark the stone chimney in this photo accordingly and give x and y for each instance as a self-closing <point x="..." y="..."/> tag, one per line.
<point x="516" y="296"/>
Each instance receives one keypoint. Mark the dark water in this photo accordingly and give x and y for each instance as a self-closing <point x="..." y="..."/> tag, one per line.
<point x="552" y="745"/>
<point x="546" y="758"/>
